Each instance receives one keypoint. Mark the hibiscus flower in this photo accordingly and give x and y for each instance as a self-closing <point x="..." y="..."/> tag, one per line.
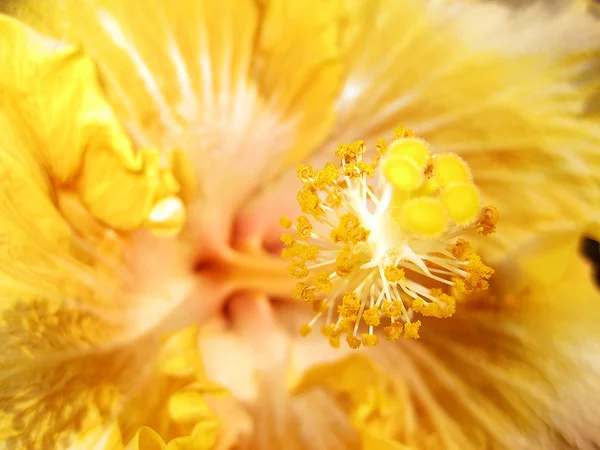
<point x="148" y="152"/>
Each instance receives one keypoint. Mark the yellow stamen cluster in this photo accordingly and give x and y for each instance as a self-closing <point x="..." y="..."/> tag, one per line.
<point x="377" y="232"/>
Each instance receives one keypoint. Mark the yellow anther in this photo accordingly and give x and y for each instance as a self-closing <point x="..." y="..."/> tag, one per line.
<point x="331" y="171"/>
<point x="350" y="297"/>
<point x="424" y="216"/>
<point x="345" y="262"/>
<point x="434" y="309"/>
<point x="347" y="324"/>
<point x="285" y="222"/>
<point x="352" y="171"/>
<point x="351" y="151"/>
<point x="293" y="251"/>
<point x="460" y="286"/>
<point x="305" y="172"/>
<point x="359" y="234"/>
<point x="393" y="332"/>
<point x="477" y="276"/>
<point x="418" y="305"/>
<point x="298" y="290"/>
<point x="309" y="252"/>
<point x="327" y="176"/>
<point x="479" y="273"/>
<point x="394" y="274"/>
<point x="334" y="341"/>
<point x="449" y="168"/>
<point x="305" y="330"/>
<point x="392" y="309"/>
<point x="339" y="235"/>
<point x="323" y="283"/>
<point x="402" y="132"/>
<point x="353" y="341"/>
<point x="460" y="250"/>
<point x="350" y="305"/>
<point x="349" y="221"/>
<point x="303" y="292"/>
<point x="288" y="239"/>
<point x="366" y="169"/>
<point x="369" y="340"/>
<point x="381" y="147"/>
<point x="330" y="330"/>
<point x="371" y="317"/>
<point x="402" y="172"/>
<point x="411" y="330"/>
<point x="303" y="227"/>
<point x="333" y="200"/>
<point x="450" y="305"/>
<point x="488" y="220"/>
<point x="309" y="201"/>
<point x="298" y="269"/>
<point x="349" y="230"/>
<point x="461" y="201"/>
<point x="413" y="149"/>
<point x="308" y="295"/>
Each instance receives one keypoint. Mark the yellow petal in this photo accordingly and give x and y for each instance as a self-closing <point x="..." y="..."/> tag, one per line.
<point x="60" y="326"/>
<point x="188" y="406"/>
<point x="179" y="354"/>
<point x="146" y="439"/>
<point x="357" y="379"/>
<point x="103" y="437"/>
<point x="372" y="442"/>
<point x="301" y="42"/>
<point x="240" y="87"/>
<point x="204" y="437"/>
<point x="104" y="196"/>
<point x="71" y="130"/>
<point x="183" y="172"/>
<point x="342" y="376"/>
<point x="549" y="256"/>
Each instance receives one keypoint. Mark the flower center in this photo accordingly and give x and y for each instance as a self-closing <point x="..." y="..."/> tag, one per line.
<point x="382" y="243"/>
